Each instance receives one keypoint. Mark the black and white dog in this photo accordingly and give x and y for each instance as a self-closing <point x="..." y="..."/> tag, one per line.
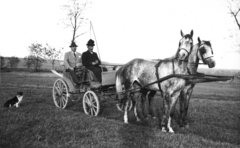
<point x="15" y="101"/>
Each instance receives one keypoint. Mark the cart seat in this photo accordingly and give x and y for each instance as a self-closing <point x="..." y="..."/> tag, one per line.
<point x="95" y="84"/>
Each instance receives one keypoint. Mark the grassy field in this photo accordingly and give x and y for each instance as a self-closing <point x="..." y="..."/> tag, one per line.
<point x="214" y="117"/>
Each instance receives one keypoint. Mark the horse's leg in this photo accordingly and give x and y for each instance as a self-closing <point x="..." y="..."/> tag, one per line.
<point x="145" y="102"/>
<point x="126" y="103"/>
<point x="165" y="112"/>
<point x="150" y="98"/>
<point x="184" y="104"/>
<point x="128" y="97"/>
<point x="169" y="112"/>
<point x="136" y="97"/>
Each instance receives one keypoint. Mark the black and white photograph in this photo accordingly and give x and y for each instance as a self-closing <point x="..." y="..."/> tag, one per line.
<point x="120" y="74"/>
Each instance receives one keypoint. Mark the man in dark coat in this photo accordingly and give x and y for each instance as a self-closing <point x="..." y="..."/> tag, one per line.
<point x="91" y="61"/>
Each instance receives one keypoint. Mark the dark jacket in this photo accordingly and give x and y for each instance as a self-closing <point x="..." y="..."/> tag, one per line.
<point x="88" y="58"/>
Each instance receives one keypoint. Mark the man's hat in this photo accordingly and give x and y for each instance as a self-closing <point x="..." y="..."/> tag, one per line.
<point x="73" y="44"/>
<point x="90" y="43"/>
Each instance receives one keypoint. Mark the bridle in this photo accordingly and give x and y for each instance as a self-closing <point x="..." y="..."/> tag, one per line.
<point x="188" y="52"/>
<point x="176" y="57"/>
<point x="203" y="59"/>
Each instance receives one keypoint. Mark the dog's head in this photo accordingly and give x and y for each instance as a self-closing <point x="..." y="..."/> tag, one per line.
<point x="19" y="96"/>
<point x="19" y="93"/>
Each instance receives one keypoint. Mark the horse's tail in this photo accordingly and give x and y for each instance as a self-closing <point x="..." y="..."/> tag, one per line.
<point x="119" y="90"/>
<point x="118" y="83"/>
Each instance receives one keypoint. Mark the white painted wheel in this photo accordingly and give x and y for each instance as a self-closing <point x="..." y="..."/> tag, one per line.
<point x="60" y="93"/>
<point x="91" y="104"/>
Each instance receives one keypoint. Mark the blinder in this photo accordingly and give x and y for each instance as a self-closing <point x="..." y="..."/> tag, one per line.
<point x="201" y="54"/>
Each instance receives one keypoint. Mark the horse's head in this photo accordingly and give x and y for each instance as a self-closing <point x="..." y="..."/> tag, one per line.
<point x="185" y="46"/>
<point x="206" y="53"/>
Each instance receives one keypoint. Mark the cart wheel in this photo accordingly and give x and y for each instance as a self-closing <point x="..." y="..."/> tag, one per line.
<point x="91" y="104"/>
<point x="120" y="106"/>
<point x="60" y="93"/>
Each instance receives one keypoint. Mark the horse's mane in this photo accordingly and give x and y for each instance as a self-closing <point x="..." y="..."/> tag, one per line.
<point x="170" y="58"/>
<point x="207" y="43"/>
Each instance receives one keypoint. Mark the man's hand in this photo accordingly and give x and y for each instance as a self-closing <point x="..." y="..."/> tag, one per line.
<point x="78" y="64"/>
<point x="94" y="63"/>
<point x="71" y="68"/>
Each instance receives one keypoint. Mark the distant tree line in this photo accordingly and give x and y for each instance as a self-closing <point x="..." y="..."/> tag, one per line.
<point x="39" y="54"/>
<point x="11" y="62"/>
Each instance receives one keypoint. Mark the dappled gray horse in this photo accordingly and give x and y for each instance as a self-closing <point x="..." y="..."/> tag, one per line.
<point x="143" y="72"/>
<point x="201" y="51"/>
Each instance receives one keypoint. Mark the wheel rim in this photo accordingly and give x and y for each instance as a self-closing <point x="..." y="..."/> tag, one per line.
<point x="60" y="93"/>
<point x="91" y="104"/>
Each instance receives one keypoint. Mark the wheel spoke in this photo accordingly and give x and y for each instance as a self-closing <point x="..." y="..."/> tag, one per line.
<point x="91" y="97"/>
<point x="56" y="89"/>
<point x="64" y="96"/>
<point x="94" y="101"/>
<point x="94" y="110"/>
<point x="59" y="102"/>
<point x="63" y="101"/>
<point x="91" y="110"/>
<point x="87" y="100"/>
<point x="93" y="106"/>
<point x="59" y="88"/>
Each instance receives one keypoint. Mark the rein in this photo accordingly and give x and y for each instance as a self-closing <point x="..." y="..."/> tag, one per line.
<point x="157" y="66"/>
<point x="158" y="79"/>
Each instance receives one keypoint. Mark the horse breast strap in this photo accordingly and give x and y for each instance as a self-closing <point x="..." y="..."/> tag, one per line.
<point x="157" y="75"/>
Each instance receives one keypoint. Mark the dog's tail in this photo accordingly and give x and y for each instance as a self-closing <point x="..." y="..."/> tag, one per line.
<point x="6" y="105"/>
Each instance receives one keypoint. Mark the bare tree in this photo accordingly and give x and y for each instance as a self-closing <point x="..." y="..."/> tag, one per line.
<point x="52" y="54"/>
<point x="234" y="11"/>
<point x="37" y="51"/>
<point x="2" y="59"/>
<point x="13" y="61"/>
<point x="234" y="8"/>
<point x="75" y="18"/>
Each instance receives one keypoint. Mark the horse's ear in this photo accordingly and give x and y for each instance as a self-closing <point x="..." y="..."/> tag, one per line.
<point x="199" y="40"/>
<point x="191" y="33"/>
<point x="182" y="34"/>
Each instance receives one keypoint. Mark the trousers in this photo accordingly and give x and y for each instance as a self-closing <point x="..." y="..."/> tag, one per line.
<point x="74" y="76"/>
<point x="97" y="71"/>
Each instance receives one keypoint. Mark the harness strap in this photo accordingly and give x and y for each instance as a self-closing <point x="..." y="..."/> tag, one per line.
<point x="173" y="66"/>
<point x="157" y="75"/>
<point x="184" y="50"/>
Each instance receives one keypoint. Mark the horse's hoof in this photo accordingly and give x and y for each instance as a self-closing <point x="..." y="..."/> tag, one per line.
<point x="164" y="130"/>
<point x="138" y="120"/>
<point x="184" y="126"/>
<point x="126" y="122"/>
<point x="171" y="130"/>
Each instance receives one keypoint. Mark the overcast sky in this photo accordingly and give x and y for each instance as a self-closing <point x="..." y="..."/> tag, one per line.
<point x="125" y="29"/>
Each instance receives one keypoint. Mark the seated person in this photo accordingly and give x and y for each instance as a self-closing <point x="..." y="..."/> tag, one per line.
<point x="91" y="61"/>
<point x="72" y="59"/>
